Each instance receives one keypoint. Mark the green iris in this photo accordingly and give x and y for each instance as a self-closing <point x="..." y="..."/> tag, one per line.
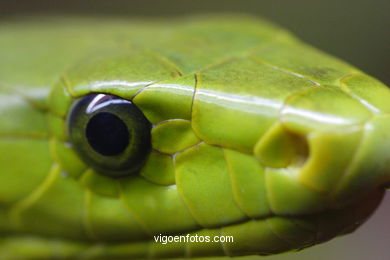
<point x="110" y="134"/>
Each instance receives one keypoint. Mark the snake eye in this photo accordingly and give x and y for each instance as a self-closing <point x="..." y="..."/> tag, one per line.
<point x="110" y="134"/>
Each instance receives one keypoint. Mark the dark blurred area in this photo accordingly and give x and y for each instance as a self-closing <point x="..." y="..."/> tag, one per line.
<point x="357" y="31"/>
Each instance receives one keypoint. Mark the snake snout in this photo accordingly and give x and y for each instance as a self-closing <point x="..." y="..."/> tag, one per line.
<point x="318" y="156"/>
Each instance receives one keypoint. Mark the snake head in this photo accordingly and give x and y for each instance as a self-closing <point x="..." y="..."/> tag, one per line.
<point x="207" y="127"/>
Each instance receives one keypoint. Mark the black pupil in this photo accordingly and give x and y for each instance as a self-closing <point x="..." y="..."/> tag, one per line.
<point x="107" y="134"/>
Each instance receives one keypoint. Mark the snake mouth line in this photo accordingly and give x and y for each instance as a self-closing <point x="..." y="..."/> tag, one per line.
<point x="53" y="247"/>
<point x="81" y="249"/>
<point x="312" y="229"/>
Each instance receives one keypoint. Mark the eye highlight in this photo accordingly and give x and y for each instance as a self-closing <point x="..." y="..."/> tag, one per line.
<point x="110" y="134"/>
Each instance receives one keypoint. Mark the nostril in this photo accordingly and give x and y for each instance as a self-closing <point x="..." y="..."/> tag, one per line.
<point x="304" y="169"/>
<point x="280" y="148"/>
<point x="320" y="158"/>
<point x="331" y="156"/>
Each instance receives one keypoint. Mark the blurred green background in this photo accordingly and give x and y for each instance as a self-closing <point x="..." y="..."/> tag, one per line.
<point x="357" y="31"/>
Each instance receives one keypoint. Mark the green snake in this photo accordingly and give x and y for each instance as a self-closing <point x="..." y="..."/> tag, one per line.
<point x="114" y="131"/>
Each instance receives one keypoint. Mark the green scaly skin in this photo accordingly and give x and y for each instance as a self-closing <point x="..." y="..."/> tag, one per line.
<point x="255" y="135"/>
